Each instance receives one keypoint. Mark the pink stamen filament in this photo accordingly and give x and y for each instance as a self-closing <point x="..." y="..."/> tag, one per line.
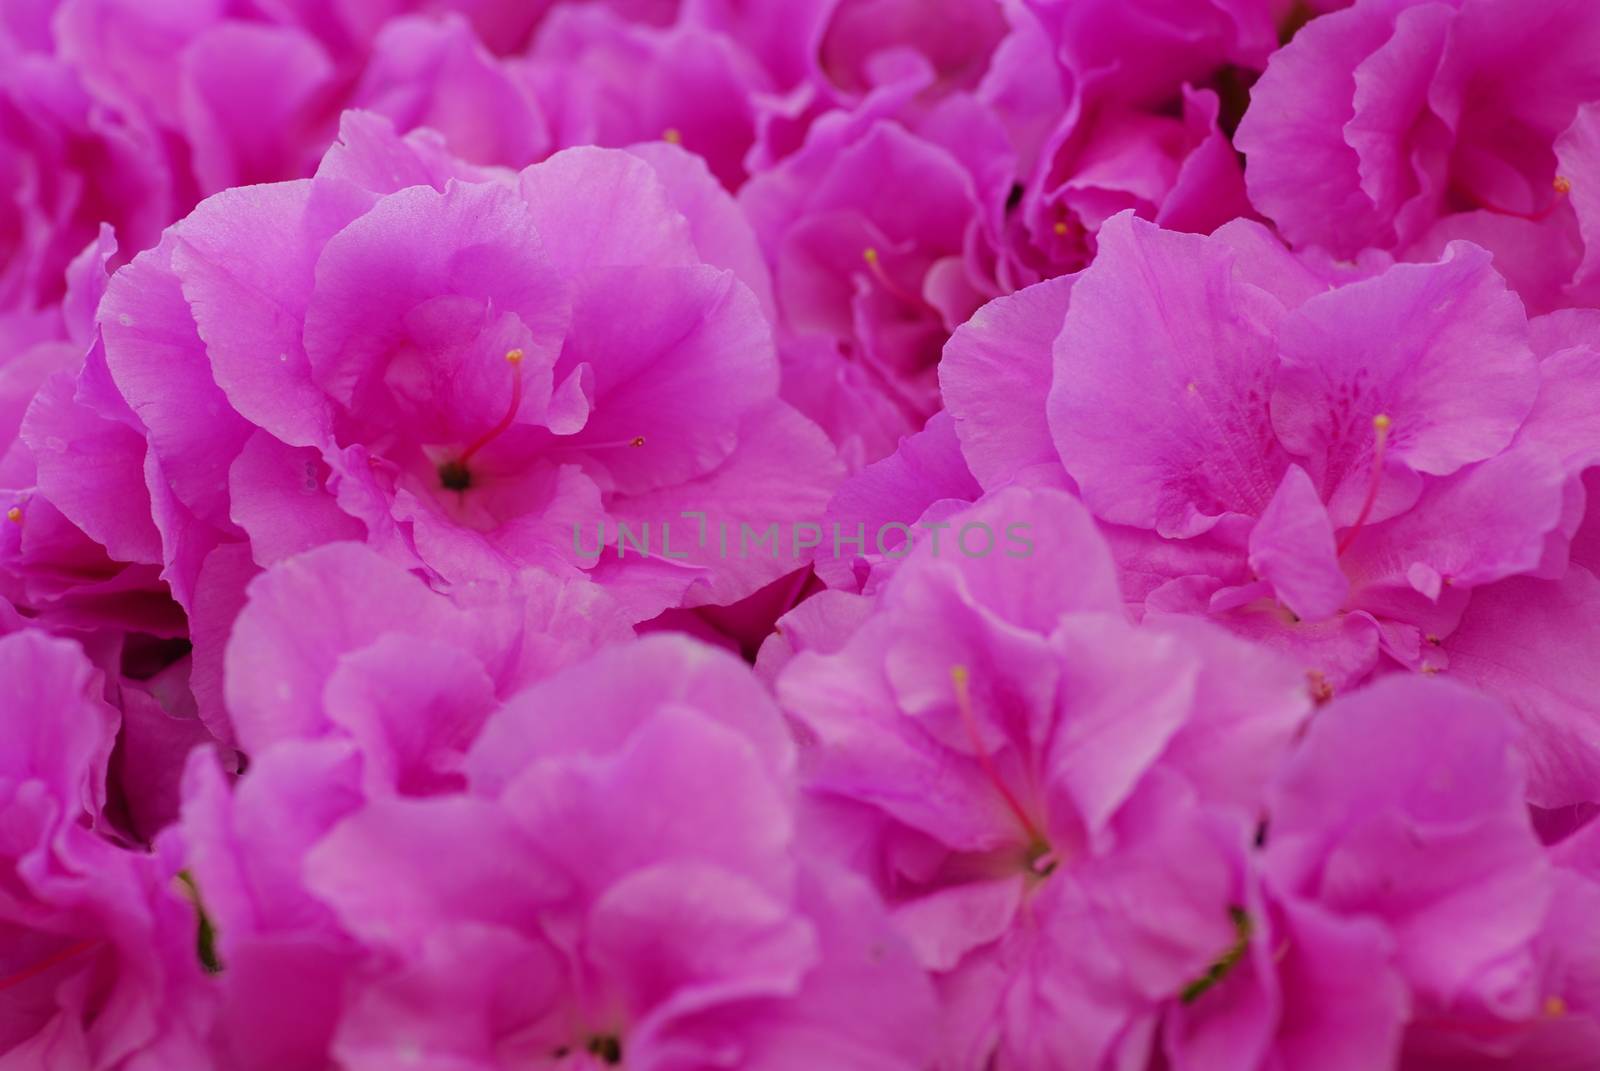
<point x="514" y="358"/>
<point x="969" y="720"/>
<point x="1380" y="429"/>
<point x="875" y="266"/>
<point x="46" y="964"/>
<point x="1562" y="186"/>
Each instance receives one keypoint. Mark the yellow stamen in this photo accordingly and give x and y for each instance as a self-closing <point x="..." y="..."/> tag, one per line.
<point x="672" y="135"/>
<point x="14" y="514"/>
<point x="1562" y="184"/>
<point x="515" y="356"/>
<point x="1554" y="1006"/>
<point x="1061" y="227"/>
<point x="870" y="255"/>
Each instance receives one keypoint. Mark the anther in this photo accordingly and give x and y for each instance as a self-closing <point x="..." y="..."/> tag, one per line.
<point x="672" y="135"/>
<point x="14" y="514"/>
<point x="1562" y="185"/>
<point x="1061" y="227"/>
<point x="1554" y="1007"/>
<point x="617" y="444"/>
<point x="1380" y="441"/>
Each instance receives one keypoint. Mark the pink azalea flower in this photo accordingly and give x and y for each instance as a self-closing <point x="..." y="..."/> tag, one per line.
<point x="869" y="282"/>
<point x="1108" y="107"/>
<point x="1026" y="774"/>
<point x="542" y="918"/>
<point x="1408" y="890"/>
<point x="1407" y="125"/>
<point x="478" y="411"/>
<point x="1327" y="460"/>
<point x="381" y="697"/>
<point x="97" y="967"/>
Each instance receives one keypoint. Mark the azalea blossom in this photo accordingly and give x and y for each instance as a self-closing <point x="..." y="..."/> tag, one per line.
<point x="1329" y="460"/>
<point x="561" y="931"/>
<point x="1025" y="773"/>
<point x="467" y="417"/>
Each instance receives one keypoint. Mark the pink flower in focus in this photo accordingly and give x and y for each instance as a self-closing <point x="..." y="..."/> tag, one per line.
<point x="469" y="372"/>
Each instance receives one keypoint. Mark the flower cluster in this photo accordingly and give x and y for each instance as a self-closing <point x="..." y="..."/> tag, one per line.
<point x="873" y="535"/>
